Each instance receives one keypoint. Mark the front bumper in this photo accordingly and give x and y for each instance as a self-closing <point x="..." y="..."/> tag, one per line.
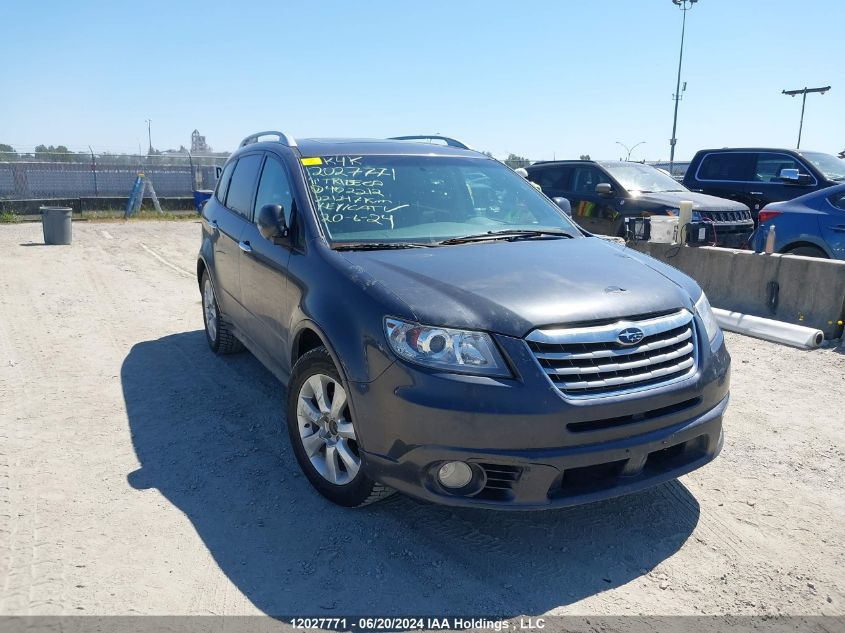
<point x="734" y="236"/>
<point x="530" y="447"/>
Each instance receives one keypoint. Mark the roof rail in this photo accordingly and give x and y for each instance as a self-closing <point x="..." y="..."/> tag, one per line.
<point x="283" y="138"/>
<point x="449" y="141"/>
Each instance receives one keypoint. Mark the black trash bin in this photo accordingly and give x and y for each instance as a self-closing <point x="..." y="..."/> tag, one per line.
<point x="56" y="223"/>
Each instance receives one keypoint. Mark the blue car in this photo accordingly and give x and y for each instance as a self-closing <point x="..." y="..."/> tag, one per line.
<point x="812" y="225"/>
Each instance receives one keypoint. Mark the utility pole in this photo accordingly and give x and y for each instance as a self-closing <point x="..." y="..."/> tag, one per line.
<point x="803" y="92"/>
<point x="683" y="5"/>
<point x="149" y="135"/>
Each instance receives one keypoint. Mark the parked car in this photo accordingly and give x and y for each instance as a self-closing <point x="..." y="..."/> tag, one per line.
<point x="812" y="225"/>
<point x="445" y="330"/>
<point x="759" y="176"/>
<point x="604" y="193"/>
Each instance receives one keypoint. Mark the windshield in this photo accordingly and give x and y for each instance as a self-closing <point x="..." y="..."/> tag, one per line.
<point x="424" y="199"/>
<point x="642" y="178"/>
<point x="831" y="167"/>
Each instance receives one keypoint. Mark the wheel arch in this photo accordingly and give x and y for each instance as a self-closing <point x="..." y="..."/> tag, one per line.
<point x="806" y="243"/>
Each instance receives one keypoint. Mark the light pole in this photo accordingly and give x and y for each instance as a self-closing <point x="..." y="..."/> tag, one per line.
<point x="803" y="92"/>
<point x="149" y="135"/>
<point x="629" y="149"/>
<point x="683" y="5"/>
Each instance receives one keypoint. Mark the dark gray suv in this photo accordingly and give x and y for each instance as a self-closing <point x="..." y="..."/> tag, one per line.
<point x="444" y="330"/>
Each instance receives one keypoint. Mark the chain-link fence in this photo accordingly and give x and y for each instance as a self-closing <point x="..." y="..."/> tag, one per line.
<point x="70" y="174"/>
<point x="66" y="174"/>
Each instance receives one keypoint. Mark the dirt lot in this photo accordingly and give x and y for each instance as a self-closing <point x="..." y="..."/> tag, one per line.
<point x="141" y="474"/>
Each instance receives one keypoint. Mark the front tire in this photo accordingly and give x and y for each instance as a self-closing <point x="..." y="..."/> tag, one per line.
<point x="323" y="433"/>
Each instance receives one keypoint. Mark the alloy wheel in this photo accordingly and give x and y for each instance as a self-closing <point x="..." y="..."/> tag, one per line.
<point x="326" y="430"/>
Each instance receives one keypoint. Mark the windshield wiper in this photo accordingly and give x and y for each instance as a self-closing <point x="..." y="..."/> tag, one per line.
<point x="507" y="234"/>
<point x="377" y="246"/>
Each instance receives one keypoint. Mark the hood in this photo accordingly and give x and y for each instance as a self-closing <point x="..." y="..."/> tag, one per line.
<point x="700" y="201"/>
<point x="513" y="287"/>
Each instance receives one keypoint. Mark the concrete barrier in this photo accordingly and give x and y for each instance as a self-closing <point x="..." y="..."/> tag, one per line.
<point x="801" y="290"/>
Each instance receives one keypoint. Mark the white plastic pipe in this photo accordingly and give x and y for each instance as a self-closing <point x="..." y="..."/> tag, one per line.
<point x="769" y="329"/>
<point x="684" y="218"/>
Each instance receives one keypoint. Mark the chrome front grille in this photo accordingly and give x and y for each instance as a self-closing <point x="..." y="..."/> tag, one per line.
<point x="727" y="217"/>
<point x="591" y="361"/>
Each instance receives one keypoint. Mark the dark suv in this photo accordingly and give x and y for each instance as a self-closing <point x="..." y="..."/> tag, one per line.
<point x="603" y="193"/>
<point x="757" y="176"/>
<point x="445" y="330"/>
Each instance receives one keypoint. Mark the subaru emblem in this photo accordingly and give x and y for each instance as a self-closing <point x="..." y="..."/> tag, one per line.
<point x="630" y="336"/>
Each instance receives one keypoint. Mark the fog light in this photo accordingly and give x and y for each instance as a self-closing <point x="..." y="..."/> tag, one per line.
<point x="454" y="474"/>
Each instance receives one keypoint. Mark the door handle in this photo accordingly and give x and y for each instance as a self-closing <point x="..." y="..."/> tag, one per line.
<point x="756" y="193"/>
<point x="245" y="247"/>
<point x="839" y="228"/>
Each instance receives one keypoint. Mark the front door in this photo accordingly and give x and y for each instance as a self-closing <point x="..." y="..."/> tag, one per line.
<point x="594" y="212"/>
<point x="768" y="186"/>
<point x="264" y="270"/>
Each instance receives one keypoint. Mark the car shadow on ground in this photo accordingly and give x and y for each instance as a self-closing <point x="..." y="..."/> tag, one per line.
<point x="208" y="432"/>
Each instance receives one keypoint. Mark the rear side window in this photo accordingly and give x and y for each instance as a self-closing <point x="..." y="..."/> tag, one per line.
<point x="274" y="188"/>
<point x="727" y="166"/>
<point x="769" y="167"/>
<point x="242" y="185"/>
<point x="552" y="178"/>
<point x="223" y="183"/>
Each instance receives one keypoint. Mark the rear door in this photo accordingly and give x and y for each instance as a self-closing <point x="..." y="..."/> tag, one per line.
<point x="230" y="226"/>
<point x="727" y="175"/>
<point x="264" y="269"/>
<point x="594" y="212"/>
<point x="224" y="231"/>
<point x="832" y="223"/>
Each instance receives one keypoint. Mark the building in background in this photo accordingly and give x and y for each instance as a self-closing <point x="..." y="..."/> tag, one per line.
<point x="198" y="144"/>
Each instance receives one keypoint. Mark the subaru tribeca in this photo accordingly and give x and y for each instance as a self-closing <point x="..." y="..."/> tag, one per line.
<point x="445" y="330"/>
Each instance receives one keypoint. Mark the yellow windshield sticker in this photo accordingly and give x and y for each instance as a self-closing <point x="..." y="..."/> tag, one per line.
<point x="316" y="160"/>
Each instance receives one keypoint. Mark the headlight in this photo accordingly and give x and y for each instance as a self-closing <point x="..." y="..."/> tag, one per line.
<point x="461" y="351"/>
<point x="705" y="313"/>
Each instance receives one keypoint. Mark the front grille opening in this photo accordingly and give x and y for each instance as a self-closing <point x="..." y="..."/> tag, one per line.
<point x="607" y="423"/>
<point x="588" y="479"/>
<point x="501" y="479"/>
<point x="677" y="455"/>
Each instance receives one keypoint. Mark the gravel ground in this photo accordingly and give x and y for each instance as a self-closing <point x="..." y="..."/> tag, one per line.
<point x="141" y="474"/>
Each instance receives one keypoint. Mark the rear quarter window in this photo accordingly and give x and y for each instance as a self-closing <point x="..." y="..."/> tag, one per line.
<point x="223" y="183"/>
<point x="736" y="166"/>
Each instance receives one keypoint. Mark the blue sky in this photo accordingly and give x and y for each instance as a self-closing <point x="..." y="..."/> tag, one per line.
<point x="540" y="79"/>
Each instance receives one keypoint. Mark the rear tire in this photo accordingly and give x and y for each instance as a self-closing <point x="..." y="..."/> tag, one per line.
<point x="807" y="251"/>
<point x="323" y="435"/>
<point x="218" y="334"/>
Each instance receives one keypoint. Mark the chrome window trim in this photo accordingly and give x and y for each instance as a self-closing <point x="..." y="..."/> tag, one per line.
<point x="753" y="182"/>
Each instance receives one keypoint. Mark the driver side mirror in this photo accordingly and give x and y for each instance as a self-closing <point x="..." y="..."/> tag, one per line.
<point x="271" y="222"/>
<point x="793" y="177"/>
<point x="564" y="205"/>
<point x="604" y="189"/>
